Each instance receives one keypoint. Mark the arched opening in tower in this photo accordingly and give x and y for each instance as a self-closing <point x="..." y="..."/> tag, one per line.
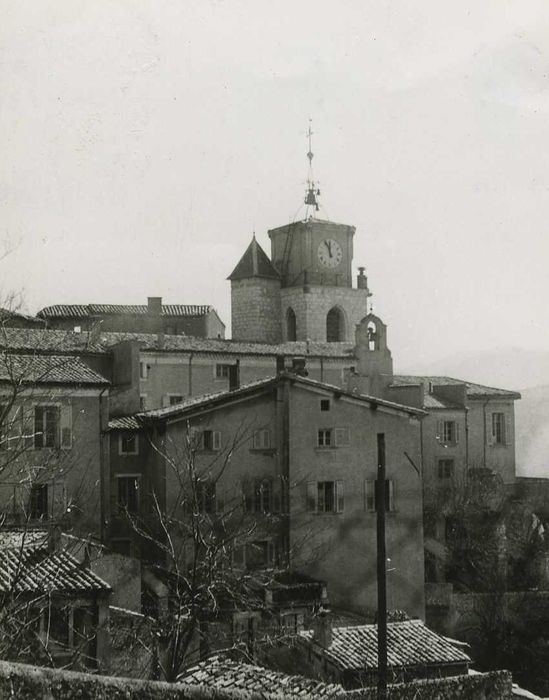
<point x="335" y="326"/>
<point x="291" y="325"/>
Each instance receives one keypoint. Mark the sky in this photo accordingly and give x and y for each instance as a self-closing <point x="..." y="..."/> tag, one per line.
<point x="144" y="141"/>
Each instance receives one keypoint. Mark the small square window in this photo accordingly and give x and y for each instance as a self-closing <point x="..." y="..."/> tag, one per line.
<point x="222" y="371"/>
<point x="143" y="370"/>
<point x="175" y="399"/>
<point x="128" y="444"/>
<point x="39" y="502"/>
<point x="128" y="493"/>
<point x="324" y="404"/>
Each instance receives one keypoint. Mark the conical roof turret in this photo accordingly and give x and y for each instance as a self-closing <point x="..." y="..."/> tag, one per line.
<point x="254" y="263"/>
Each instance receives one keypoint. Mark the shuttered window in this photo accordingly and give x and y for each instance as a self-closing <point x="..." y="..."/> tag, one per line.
<point x="370" y="497"/>
<point x="325" y="497"/>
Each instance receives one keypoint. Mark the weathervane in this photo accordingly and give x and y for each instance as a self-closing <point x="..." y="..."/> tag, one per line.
<point x="312" y="190"/>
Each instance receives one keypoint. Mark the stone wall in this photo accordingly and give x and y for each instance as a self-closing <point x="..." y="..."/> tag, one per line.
<point x="311" y="309"/>
<point x="255" y="310"/>
<point x="29" y="682"/>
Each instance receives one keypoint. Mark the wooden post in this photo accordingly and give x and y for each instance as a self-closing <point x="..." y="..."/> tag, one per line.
<point x="381" y="571"/>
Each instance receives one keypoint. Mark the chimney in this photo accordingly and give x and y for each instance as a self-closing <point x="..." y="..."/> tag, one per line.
<point x="298" y="366"/>
<point x="361" y="280"/>
<point x="234" y="376"/>
<point x="322" y="628"/>
<point x="154" y="305"/>
<point x="280" y="363"/>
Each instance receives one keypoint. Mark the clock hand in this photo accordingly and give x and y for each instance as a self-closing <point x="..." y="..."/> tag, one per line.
<point x="329" y="246"/>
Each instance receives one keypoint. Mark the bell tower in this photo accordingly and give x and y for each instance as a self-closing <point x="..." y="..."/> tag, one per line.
<point x="310" y="274"/>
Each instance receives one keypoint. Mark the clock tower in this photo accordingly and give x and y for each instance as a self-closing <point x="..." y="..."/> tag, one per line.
<point x="310" y="273"/>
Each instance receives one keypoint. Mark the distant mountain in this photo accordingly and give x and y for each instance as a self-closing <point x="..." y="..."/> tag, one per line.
<point x="525" y="371"/>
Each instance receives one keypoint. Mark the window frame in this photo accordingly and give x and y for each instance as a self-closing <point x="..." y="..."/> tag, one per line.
<point x="321" y="435"/>
<point x="123" y="508"/>
<point x="447" y="431"/>
<point x="262" y="439"/>
<point x="443" y="473"/>
<point x="316" y="497"/>
<point x="121" y="436"/>
<point x="500" y="418"/>
<point x="370" y="496"/>
<point x="42" y="498"/>
<point x="222" y="371"/>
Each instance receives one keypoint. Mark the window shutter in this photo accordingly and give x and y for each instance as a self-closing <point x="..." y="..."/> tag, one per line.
<point x="257" y="439"/>
<point x="490" y="429"/>
<point x="247" y="495"/>
<point x="340" y="496"/>
<point x="440" y="430"/>
<point x="456" y="424"/>
<point x="312" y="494"/>
<point x="66" y="427"/>
<point x="389" y="495"/>
<point x="369" y="493"/>
<point x="165" y="401"/>
<point x="342" y="437"/>
<point x="508" y="437"/>
<point x="216" y="440"/>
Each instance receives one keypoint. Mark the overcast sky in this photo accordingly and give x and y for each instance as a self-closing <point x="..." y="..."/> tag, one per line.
<point x="143" y="141"/>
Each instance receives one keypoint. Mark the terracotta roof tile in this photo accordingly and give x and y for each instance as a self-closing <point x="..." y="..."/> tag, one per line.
<point x="473" y="390"/>
<point x="409" y="643"/>
<point x="234" y="675"/>
<point x="48" y="369"/>
<point x="90" y="310"/>
<point x="36" y="570"/>
<point x="124" y="423"/>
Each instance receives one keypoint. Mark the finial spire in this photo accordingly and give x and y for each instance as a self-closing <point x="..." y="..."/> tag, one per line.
<point x="312" y="191"/>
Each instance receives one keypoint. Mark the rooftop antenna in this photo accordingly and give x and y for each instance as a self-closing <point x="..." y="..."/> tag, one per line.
<point x="312" y="190"/>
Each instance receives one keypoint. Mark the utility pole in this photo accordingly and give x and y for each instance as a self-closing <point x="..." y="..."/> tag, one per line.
<point x="381" y="571"/>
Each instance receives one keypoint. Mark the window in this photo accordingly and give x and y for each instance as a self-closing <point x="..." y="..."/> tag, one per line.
<point x="325" y="496"/>
<point x="498" y="429"/>
<point x="260" y="496"/>
<point x="324" y="404"/>
<point x="291" y="623"/>
<point x="143" y="370"/>
<point x="291" y="325"/>
<point x="262" y="439"/>
<point x="335" y="326"/>
<point x="330" y="437"/>
<point x="371" y="498"/>
<point x="209" y="440"/>
<point x="175" y="399"/>
<point x="128" y="444"/>
<point x="38" y="502"/>
<point x="324" y="437"/>
<point x="448" y="432"/>
<point x="205" y="496"/>
<point x="46" y="426"/>
<point x="128" y="493"/>
<point x="222" y="371"/>
<point x="445" y="468"/>
<point x="255" y="555"/>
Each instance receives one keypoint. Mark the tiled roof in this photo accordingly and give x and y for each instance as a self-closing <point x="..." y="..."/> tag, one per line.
<point x="473" y="390"/>
<point x="124" y="423"/>
<point x="409" y="643"/>
<point x="23" y="538"/>
<point x="175" y="343"/>
<point x="197" y="401"/>
<point x="48" y="369"/>
<point x="254" y="263"/>
<point x="234" y="675"/>
<point x="7" y="314"/>
<point x="36" y="570"/>
<point x="87" y="310"/>
<point x="46" y="340"/>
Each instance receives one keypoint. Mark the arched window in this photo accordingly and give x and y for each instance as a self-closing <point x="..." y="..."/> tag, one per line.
<point x="335" y="326"/>
<point x="291" y="325"/>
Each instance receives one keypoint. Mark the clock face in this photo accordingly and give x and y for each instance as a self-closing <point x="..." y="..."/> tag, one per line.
<point x="330" y="253"/>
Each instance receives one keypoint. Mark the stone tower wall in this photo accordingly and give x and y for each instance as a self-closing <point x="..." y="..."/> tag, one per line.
<point x="255" y="310"/>
<point x="311" y="309"/>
